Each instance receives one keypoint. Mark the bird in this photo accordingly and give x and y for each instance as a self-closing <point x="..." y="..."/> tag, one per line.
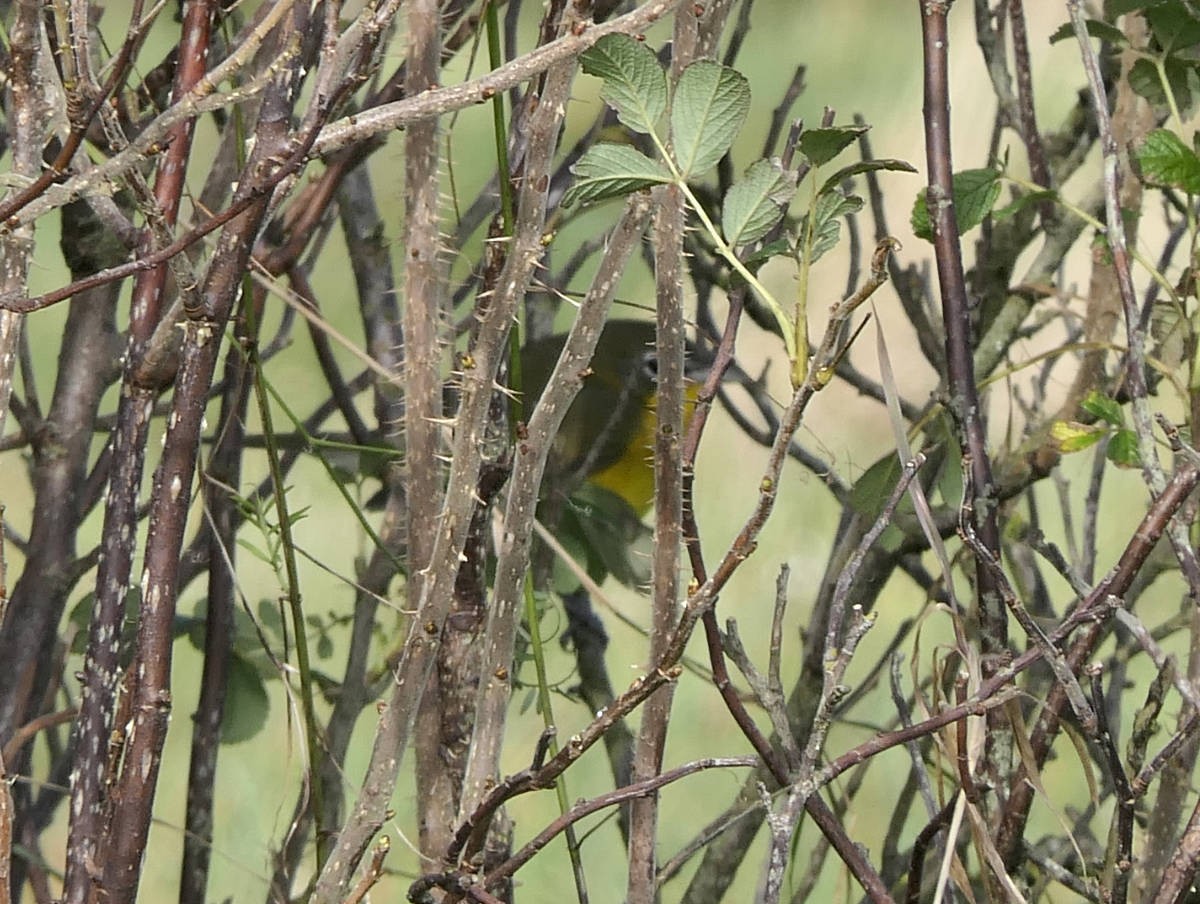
<point x="607" y="436"/>
<point x="601" y="462"/>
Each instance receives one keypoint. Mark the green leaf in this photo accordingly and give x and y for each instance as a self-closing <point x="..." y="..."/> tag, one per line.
<point x="822" y="145"/>
<point x="191" y="627"/>
<point x="1095" y="28"/>
<point x="865" y="166"/>
<point x="527" y="701"/>
<point x="755" y="204"/>
<point x="612" y="170"/>
<point x="246" y="703"/>
<point x="634" y="82"/>
<point x="1123" y="450"/>
<point x="342" y="462"/>
<point x="950" y="476"/>
<point x="710" y="104"/>
<point x="871" y="491"/>
<point x="269" y="616"/>
<point x="975" y="193"/>
<point x="83" y="612"/>
<point x="1101" y="407"/>
<point x="826" y="215"/>
<point x="1121" y="7"/>
<point x="1071" y="436"/>
<point x="254" y="550"/>
<point x="1173" y="24"/>
<point x="1169" y="327"/>
<point x="1144" y="80"/>
<point x="324" y="646"/>
<point x="563" y="579"/>
<point x="1167" y="162"/>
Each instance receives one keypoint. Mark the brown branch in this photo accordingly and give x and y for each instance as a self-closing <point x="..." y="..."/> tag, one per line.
<point x="26" y="112"/>
<point x="651" y="738"/>
<point x="1177" y="877"/>
<point x="274" y="149"/>
<point x="424" y="310"/>
<point x="120" y="520"/>
<point x="436" y="101"/>
<point x="222" y="508"/>
<point x="963" y="402"/>
<point x="1039" y="168"/>
<point x="27" y="732"/>
<point x="921" y="847"/>
<point x="1115" y="584"/>
<point x="6" y="835"/>
<point x="1121" y="862"/>
<point x="543" y="776"/>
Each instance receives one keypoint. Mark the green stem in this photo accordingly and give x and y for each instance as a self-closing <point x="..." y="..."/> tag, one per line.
<point x="295" y="604"/>
<point x="781" y="317"/>
<point x="499" y="132"/>
<point x="315" y="445"/>
<point x="546" y="707"/>
<point x="507" y="215"/>
<point x="800" y="362"/>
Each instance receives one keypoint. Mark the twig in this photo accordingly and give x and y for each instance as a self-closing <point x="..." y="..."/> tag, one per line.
<point x="609" y="799"/>
<point x="766" y="689"/>
<point x="1158" y="655"/>
<point x="1122" y="856"/>
<point x="921" y="846"/>
<point x="668" y="238"/>
<point x="373" y="872"/>
<point x="1039" y="169"/>
<point x="543" y="777"/>
<point x="850" y="572"/>
<point x="6" y="834"/>
<point x="963" y="402"/>
<point x="1115" y="584"/>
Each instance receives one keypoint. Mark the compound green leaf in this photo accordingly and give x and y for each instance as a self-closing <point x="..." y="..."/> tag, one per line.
<point x="874" y="486"/>
<point x="1096" y="28"/>
<point x="1174" y="25"/>
<point x="1122" y="450"/>
<point x="826" y="216"/>
<point x="1103" y="408"/>
<point x="1145" y="81"/>
<point x="1021" y="202"/>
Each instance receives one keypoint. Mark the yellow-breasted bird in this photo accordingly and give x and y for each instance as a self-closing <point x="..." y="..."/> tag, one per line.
<point x="604" y="446"/>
